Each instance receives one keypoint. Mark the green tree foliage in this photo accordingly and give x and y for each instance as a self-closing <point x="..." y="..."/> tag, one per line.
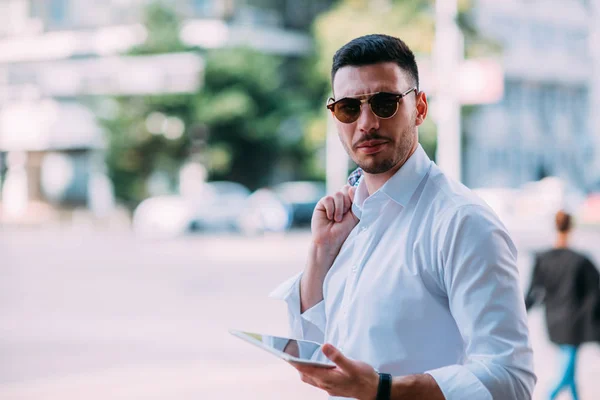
<point x="163" y="31"/>
<point x="143" y="140"/>
<point x="245" y="123"/>
<point x="148" y="135"/>
<point x="252" y="113"/>
<point x="410" y="20"/>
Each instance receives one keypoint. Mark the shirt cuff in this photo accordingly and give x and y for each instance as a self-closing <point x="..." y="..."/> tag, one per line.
<point x="286" y="292"/>
<point x="316" y="315"/>
<point x="457" y="382"/>
<point x="309" y="325"/>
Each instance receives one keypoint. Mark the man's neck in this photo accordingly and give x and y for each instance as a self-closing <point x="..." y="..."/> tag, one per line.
<point x="562" y="240"/>
<point x="375" y="181"/>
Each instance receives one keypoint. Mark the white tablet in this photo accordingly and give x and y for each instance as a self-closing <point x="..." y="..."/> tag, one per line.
<point x="292" y="350"/>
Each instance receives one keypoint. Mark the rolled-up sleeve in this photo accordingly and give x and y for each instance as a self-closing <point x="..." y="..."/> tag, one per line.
<point x="480" y="276"/>
<point x="309" y="325"/>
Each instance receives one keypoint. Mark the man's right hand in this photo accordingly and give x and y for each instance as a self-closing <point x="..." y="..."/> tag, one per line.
<point x="333" y="220"/>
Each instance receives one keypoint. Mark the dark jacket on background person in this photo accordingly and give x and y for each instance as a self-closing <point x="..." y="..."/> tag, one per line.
<point x="569" y="286"/>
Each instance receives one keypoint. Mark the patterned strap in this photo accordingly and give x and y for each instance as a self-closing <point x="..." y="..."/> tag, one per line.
<point x="355" y="177"/>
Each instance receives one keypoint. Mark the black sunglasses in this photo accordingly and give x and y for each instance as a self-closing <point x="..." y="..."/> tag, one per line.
<point x="384" y="105"/>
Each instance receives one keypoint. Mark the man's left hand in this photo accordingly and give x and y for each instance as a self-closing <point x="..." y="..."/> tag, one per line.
<point x="349" y="378"/>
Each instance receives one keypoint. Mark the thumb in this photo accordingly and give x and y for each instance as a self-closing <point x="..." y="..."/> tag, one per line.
<point x="337" y="357"/>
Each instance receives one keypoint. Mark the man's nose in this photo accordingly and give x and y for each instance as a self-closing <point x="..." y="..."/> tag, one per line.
<point x="367" y="121"/>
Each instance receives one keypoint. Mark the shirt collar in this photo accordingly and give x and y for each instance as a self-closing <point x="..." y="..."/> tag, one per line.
<point x="402" y="185"/>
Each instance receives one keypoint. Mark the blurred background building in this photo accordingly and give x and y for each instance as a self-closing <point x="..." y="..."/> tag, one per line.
<point x="543" y="126"/>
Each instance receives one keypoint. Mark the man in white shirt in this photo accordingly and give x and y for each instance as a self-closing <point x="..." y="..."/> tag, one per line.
<point x="410" y="276"/>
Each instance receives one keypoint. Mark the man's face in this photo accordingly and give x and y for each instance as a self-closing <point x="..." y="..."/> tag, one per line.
<point x="374" y="144"/>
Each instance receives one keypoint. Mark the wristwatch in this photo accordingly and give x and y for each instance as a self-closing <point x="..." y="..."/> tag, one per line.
<point x="384" y="390"/>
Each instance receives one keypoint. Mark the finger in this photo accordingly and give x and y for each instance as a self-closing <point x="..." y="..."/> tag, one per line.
<point x="344" y="189"/>
<point x="315" y="372"/>
<point x="351" y="193"/>
<point x="347" y="199"/>
<point x="307" y="379"/>
<point x="303" y="368"/>
<point x="328" y="206"/>
<point x="338" y="358"/>
<point x="339" y="206"/>
<point x="312" y="375"/>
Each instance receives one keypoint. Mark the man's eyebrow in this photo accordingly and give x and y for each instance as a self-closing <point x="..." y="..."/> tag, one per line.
<point x="367" y="93"/>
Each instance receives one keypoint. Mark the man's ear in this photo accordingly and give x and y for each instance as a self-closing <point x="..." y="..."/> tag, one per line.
<point x="422" y="108"/>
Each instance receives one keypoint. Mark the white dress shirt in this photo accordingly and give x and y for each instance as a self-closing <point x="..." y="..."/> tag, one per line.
<point x="426" y="282"/>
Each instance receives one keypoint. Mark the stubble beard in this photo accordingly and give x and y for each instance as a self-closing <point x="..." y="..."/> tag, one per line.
<point x="400" y="154"/>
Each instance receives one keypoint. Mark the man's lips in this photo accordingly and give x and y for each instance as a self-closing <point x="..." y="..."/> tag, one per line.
<point x="371" y="146"/>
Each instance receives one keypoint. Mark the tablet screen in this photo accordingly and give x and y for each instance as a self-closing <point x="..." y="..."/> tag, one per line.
<point x="301" y="349"/>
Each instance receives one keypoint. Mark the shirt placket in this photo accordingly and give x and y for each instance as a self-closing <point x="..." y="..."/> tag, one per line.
<point x="358" y="261"/>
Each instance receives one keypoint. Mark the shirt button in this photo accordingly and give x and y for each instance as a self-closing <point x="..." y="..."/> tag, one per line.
<point x="363" y="229"/>
<point x="354" y="268"/>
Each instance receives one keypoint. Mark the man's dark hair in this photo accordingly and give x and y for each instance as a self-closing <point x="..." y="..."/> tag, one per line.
<point x="563" y="221"/>
<point x="374" y="49"/>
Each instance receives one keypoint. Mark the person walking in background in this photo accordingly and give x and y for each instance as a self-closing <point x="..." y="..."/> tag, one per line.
<point x="568" y="284"/>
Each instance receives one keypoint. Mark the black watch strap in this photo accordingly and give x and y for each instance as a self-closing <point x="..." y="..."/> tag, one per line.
<point x="384" y="390"/>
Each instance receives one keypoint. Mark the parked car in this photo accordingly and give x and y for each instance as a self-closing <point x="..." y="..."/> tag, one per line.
<point x="281" y="207"/>
<point x="264" y="212"/>
<point x="220" y="206"/>
<point x="162" y="217"/>
<point x="301" y="197"/>
<point x="216" y="208"/>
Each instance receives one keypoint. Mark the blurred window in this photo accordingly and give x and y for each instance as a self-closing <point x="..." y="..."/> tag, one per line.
<point x="507" y="93"/>
<point x="570" y="102"/>
<point x="578" y="42"/>
<point x="566" y="99"/>
<point x="551" y="100"/>
<point x="514" y="96"/>
<point x="588" y="154"/>
<point x="203" y="7"/>
<point x="492" y="159"/>
<point x="503" y="160"/>
<point x="250" y="15"/>
<point x="543" y="36"/>
<point x="508" y="30"/>
<point x="545" y="109"/>
<point x="580" y="101"/>
<point x="532" y="99"/>
<point x="517" y="158"/>
<point x="58" y="11"/>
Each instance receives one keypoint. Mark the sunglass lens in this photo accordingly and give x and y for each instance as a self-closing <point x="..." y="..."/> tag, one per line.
<point x="384" y="105"/>
<point x="347" y="110"/>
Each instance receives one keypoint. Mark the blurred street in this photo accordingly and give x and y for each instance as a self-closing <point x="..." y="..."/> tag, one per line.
<point x="108" y="316"/>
